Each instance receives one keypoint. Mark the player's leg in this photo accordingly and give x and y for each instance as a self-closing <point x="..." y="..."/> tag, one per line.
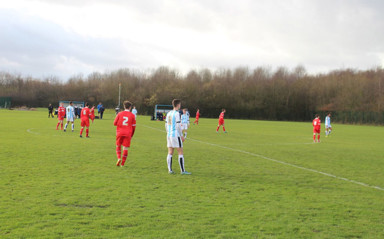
<point x="118" y="150"/>
<point x="181" y="161"/>
<point x="57" y="126"/>
<point x="169" y="159"/>
<point x="66" y="125"/>
<point x="329" y="130"/>
<point x="125" y="155"/>
<point x="224" y="128"/>
<point x="73" y="125"/>
<point x="81" y="131"/>
<point x="87" y="132"/>
<point x="217" y="129"/>
<point x="314" y="137"/>
<point x="61" y="124"/>
<point x="82" y="124"/>
<point x="318" y="137"/>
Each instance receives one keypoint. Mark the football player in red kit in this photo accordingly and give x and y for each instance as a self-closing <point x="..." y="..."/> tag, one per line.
<point x="197" y="117"/>
<point x="60" y="116"/>
<point x="85" y="116"/>
<point x="316" y="128"/>
<point x="92" y="110"/>
<point x="221" y="121"/>
<point x="125" y="122"/>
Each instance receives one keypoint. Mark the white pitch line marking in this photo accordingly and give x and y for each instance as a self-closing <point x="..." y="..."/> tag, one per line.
<point x="282" y="162"/>
<point x="30" y="131"/>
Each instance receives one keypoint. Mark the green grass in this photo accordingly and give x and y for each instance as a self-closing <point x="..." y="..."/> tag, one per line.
<point x="57" y="185"/>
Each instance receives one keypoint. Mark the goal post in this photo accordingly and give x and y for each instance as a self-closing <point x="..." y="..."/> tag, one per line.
<point x="160" y="111"/>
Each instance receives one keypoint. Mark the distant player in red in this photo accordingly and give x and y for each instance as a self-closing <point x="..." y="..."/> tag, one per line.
<point x="221" y="121"/>
<point x="92" y="110"/>
<point x="316" y="128"/>
<point x="126" y="125"/>
<point x="197" y="117"/>
<point x="60" y="116"/>
<point x="85" y="116"/>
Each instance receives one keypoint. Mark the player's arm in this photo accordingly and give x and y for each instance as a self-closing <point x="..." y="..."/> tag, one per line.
<point x="178" y="126"/>
<point x="116" y="120"/>
<point x="133" y="126"/>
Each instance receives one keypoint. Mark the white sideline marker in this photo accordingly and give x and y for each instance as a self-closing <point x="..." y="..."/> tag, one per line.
<point x="281" y="162"/>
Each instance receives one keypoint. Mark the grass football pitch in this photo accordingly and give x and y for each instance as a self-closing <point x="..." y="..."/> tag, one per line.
<point x="260" y="180"/>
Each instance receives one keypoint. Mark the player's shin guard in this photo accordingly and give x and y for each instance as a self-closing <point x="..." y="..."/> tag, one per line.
<point x="87" y="132"/>
<point x="169" y="162"/>
<point x="181" y="162"/>
<point x="125" y="155"/>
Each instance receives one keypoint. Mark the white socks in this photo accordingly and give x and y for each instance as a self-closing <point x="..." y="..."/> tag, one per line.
<point x="181" y="162"/>
<point x="169" y="162"/>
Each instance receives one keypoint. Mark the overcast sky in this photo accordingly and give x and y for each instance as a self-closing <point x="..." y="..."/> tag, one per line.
<point x="42" y="38"/>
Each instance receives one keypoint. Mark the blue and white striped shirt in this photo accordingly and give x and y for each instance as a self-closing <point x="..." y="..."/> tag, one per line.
<point x="172" y="123"/>
<point x="184" y="119"/>
<point x="327" y="120"/>
<point x="70" y="112"/>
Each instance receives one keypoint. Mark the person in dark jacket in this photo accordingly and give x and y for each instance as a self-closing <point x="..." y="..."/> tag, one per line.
<point x="50" y="111"/>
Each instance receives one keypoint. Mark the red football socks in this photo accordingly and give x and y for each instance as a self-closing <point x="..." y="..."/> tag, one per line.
<point x="57" y="126"/>
<point x="224" y="128"/>
<point x="318" y="137"/>
<point x="61" y="126"/>
<point x="81" y="131"/>
<point x="125" y="155"/>
<point x="118" y="152"/>
<point x="87" y="132"/>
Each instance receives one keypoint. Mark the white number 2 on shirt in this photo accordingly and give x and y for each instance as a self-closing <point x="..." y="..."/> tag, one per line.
<point x="125" y="122"/>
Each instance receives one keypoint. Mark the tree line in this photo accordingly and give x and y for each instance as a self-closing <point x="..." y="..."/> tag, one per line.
<point x="262" y="93"/>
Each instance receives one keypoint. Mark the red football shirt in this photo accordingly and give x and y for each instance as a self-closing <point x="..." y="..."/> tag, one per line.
<point x="61" y="111"/>
<point x="316" y="123"/>
<point x="92" y="111"/>
<point x="85" y="114"/>
<point x="221" y="117"/>
<point x="197" y="115"/>
<point x="126" y="123"/>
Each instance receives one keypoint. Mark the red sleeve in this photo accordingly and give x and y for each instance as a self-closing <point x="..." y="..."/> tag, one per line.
<point x="133" y="126"/>
<point x="116" y="120"/>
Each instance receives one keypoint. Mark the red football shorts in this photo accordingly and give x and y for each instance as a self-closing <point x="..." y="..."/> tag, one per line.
<point x="61" y="117"/>
<point x="221" y="122"/>
<point x="316" y="130"/>
<point x="85" y="123"/>
<point x="123" y="140"/>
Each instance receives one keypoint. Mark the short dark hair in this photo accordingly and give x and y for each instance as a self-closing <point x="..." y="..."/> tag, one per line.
<point x="70" y="102"/>
<point x="127" y="104"/>
<point x="316" y="115"/>
<point x="222" y="109"/>
<point x="176" y="102"/>
<point x="86" y="104"/>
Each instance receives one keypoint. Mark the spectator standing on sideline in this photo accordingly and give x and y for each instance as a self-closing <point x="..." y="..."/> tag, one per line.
<point x="101" y="111"/>
<point x="98" y="108"/>
<point x="50" y="111"/>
